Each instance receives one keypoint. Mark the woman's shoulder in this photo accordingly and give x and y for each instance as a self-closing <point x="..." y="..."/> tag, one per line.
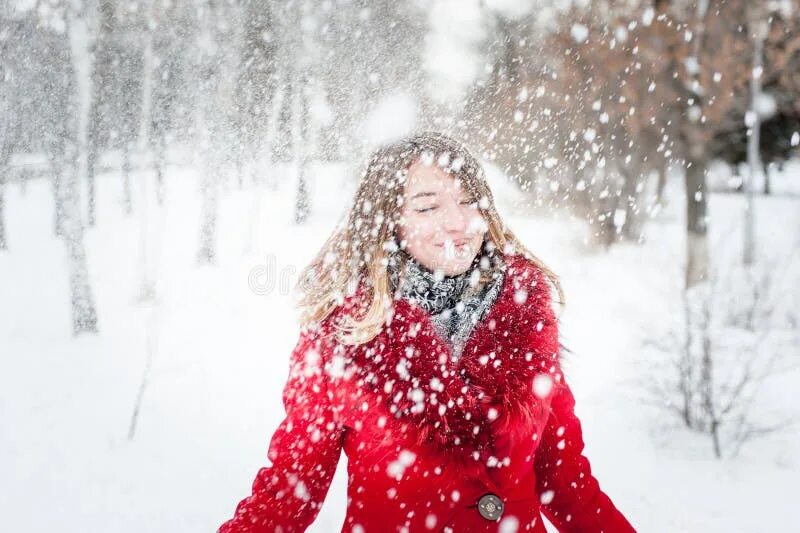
<point x="525" y="269"/>
<point x="529" y="283"/>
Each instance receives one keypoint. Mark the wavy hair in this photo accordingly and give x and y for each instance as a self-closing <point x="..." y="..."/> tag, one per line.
<point x="357" y="250"/>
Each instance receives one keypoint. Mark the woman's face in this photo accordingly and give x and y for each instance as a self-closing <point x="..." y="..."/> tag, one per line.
<point x="442" y="227"/>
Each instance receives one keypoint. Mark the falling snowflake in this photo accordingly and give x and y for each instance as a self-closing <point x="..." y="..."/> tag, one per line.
<point x="542" y="385"/>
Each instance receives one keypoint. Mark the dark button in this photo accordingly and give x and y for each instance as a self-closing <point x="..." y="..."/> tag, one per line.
<point x="490" y="506"/>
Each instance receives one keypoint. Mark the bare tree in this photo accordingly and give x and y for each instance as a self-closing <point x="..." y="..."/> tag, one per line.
<point x="711" y="383"/>
<point x="256" y="85"/>
<point x="3" y="244"/>
<point x="758" y="28"/>
<point x="171" y="47"/>
<point x="259" y="99"/>
<point x="759" y="17"/>
<point x="5" y="128"/>
<point x="116" y="95"/>
<point x="302" y="132"/>
<point x="65" y="152"/>
<point x="303" y="198"/>
<point x="217" y="67"/>
<point x="98" y="112"/>
<point x="5" y="149"/>
<point x="44" y="70"/>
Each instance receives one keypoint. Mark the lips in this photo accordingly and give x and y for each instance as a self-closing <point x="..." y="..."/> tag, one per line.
<point x="455" y="243"/>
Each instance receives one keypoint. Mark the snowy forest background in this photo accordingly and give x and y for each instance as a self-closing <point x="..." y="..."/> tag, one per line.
<point x="167" y="167"/>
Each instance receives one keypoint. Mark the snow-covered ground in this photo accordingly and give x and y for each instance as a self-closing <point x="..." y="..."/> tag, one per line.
<point x="216" y="352"/>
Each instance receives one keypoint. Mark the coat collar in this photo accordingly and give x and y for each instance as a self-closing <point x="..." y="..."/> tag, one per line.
<point x="459" y="405"/>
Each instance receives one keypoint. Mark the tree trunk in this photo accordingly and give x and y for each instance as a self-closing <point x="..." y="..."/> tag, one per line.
<point x="84" y="314"/>
<point x="91" y="165"/>
<point x="759" y="29"/>
<point x="283" y="147"/>
<point x="5" y="158"/>
<point x="127" y="194"/>
<point x="303" y="146"/>
<point x="3" y="244"/>
<point x="101" y="72"/>
<point x="603" y="210"/>
<point x="147" y="285"/>
<point x="661" y="184"/>
<point x="693" y="142"/>
<point x="273" y="134"/>
<point x="58" y="195"/>
<point x="209" y="177"/>
<point x="696" y="223"/>
<point x="160" y="146"/>
<point x="632" y="229"/>
<point x="212" y="116"/>
<point x="208" y="218"/>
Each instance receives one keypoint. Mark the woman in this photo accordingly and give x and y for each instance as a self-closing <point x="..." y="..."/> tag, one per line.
<point x="429" y="352"/>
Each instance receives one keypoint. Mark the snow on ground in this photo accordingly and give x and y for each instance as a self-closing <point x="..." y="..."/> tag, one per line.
<point x="218" y="359"/>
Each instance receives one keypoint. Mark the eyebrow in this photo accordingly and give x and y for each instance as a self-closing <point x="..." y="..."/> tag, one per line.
<point x="421" y="194"/>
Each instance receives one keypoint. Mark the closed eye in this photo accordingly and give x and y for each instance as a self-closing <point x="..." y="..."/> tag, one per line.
<point x="433" y="207"/>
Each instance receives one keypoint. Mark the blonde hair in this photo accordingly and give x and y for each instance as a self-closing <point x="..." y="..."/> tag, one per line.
<point x="357" y="250"/>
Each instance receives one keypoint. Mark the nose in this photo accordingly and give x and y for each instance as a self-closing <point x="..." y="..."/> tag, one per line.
<point x="454" y="220"/>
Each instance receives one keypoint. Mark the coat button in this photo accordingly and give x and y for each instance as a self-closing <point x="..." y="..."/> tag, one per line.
<point x="490" y="506"/>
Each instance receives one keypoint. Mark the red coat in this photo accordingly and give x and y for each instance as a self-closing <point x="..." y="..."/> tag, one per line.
<point x="426" y="438"/>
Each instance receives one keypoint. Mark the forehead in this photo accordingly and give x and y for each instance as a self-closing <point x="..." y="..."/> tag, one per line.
<point x="431" y="177"/>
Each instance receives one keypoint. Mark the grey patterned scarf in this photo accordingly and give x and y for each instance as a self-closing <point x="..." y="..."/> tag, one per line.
<point x="455" y="303"/>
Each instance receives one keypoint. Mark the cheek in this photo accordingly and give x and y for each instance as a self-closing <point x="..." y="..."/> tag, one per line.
<point x="416" y="228"/>
<point x="477" y="223"/>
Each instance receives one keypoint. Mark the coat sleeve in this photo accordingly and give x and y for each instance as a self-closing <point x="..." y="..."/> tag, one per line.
<point x="570" y="495"/>
<point x="304" y="451"/>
